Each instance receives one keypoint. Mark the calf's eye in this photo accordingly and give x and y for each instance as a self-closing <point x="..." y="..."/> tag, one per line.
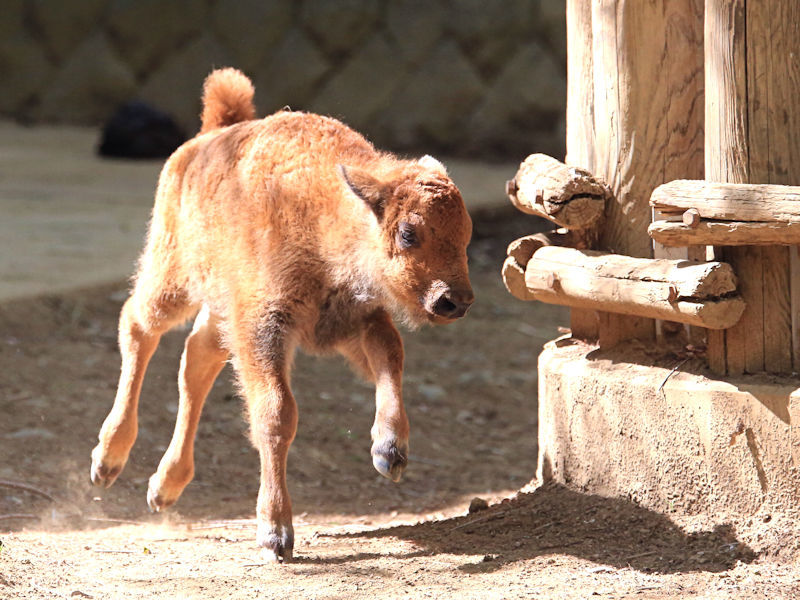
<point x="406" y="236"/>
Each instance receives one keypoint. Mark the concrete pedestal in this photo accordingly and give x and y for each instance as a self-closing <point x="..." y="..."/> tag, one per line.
<point x="610" y="424"/>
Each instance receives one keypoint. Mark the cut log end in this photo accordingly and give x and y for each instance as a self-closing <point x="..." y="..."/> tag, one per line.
<point x="514" y="279"/>
<point x="568" y="196"/>
<point x="523" y="248"/>
<point x="691" y="218"/>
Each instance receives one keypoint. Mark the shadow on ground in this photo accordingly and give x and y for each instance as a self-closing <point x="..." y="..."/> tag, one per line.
<point x="556" y="520"/>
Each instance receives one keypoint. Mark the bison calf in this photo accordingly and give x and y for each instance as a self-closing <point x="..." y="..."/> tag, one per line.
<point x="285" y="232"/>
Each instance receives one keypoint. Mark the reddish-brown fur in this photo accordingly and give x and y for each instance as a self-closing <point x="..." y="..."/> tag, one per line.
<point x="290" y="231"/>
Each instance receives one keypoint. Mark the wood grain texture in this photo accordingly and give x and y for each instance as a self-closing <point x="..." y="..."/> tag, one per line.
<point x="695" y="293"/>
<point x="584" y="324"/>
<point x="729" y="201"/>
<point x="777" y="313"/>
<point x="724" y="233"/>
<point x="580" y="86"/>
<point x="648" y="77"/>
<point x="726" y="157"/>
<point x="648" y="98"/>
<point x="568" y="196"/>
<point x="685" y="144"/>
<point x="794" y="293"/>
<point x="752" y="115"/>
<point x="774" y="115"/>
<point x="523" y="248"/>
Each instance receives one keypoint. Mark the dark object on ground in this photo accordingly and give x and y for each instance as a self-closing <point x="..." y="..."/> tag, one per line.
<point x="137" y="130"/>
<point x="477" y="505"/>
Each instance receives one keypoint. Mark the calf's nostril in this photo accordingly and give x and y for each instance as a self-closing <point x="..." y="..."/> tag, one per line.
<point x="450" y="307"/>
<point x="444" y="307"/>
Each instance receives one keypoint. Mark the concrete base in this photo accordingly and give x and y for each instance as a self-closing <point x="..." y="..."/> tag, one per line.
<point x="609" y="424"/>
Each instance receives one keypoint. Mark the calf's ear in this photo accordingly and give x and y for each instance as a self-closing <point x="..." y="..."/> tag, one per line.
<point x="371" y="190"/>
<point x="432" y="164"/>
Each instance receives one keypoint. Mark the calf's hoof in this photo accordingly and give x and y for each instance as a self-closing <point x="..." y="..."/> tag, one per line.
<point x="276" y="542"/>
<point x="390" y="459"/>
<point x="105" y="470"/>
<point x="158" y="500"/>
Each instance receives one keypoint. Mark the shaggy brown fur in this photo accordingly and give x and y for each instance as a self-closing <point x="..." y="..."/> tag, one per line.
<point x="290" y="231"/>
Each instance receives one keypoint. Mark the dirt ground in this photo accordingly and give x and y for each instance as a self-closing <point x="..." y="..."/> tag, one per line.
<point x="471" y="397"/>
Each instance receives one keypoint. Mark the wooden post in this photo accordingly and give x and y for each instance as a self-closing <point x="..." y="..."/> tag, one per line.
<point x="725" y="214"/>
<point x="752" y="119"/>
<point x="584" y="323"/>
<point x="644" y="120"/>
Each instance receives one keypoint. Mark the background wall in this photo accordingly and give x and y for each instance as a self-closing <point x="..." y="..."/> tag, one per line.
<point x="468" y="77"/>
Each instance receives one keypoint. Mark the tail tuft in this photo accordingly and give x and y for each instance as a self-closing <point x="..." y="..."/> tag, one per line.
<point x="227" y="99"/>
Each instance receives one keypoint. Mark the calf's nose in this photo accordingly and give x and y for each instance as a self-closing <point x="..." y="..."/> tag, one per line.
<point x="453" y="304"/>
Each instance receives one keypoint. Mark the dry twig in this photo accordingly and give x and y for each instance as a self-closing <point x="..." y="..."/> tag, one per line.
<point x="16" y="485"/>
<point x="17" y="516"/>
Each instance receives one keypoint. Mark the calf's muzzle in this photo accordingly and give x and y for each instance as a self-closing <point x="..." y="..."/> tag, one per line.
<point x="453" y="304"/>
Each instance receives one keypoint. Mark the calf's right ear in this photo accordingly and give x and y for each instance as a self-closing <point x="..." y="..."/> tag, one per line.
<point x="366" y="187"/>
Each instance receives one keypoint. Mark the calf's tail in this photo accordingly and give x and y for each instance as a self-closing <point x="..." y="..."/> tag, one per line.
<point x="227" y="99"/>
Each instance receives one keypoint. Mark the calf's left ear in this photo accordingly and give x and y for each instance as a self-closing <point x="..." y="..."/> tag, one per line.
<point x="432" y="164"/>
<point x="371" y="190"/>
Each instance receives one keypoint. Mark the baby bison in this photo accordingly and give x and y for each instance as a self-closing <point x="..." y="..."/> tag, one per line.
<point x="290" y="231"/>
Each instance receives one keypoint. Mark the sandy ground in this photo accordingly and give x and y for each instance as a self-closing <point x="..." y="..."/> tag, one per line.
<point x="471" y="397"/>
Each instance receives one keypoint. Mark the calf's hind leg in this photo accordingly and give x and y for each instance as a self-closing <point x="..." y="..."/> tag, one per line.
<point x="202" y="360"/>
<point x="144" y="318"/>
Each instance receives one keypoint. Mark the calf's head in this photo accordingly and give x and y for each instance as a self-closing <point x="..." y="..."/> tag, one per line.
<point x="425" y="230"/>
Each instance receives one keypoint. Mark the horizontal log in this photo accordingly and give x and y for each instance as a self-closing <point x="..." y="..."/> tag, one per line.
<point x="568" y="196"/>
<point x="725" y="233"/>
<point x="519" y="253"/>
<point x="729" y="201"/>
<point x="702" y="294"/>
<point x="523" y="248"/>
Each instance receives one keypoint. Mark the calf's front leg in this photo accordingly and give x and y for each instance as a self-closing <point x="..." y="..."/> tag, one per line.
<point x="378" y="353"/>
<point x="273" y="422"/>
<point x="263" y="371"/>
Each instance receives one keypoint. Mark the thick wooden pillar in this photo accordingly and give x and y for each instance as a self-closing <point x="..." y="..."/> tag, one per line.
<point x="584" y="323"/>
<point x="752" y="113"/>
<point x="634" y="118"/>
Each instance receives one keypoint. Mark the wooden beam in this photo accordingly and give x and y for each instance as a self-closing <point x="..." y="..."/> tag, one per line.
<point x="701" y="294"/>
<point x="752" y="114"/>
<point x="523" y="248"/>
<point x="568" y="196"/>
<point x="727" y="153"/>
<point x="729" y="201"/>
<point x="774" y="117"/>
<point x="724" y="233"/>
